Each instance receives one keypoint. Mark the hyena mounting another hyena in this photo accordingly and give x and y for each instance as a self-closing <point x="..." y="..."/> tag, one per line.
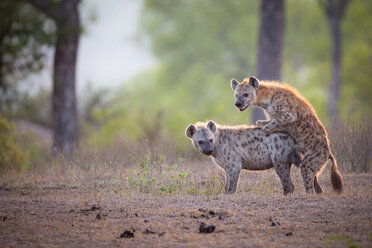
<point x="288" y="111"/>
<point x="244" y="147"/>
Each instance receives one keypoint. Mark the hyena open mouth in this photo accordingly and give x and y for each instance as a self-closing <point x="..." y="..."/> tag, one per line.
<point x="244" y="107"/>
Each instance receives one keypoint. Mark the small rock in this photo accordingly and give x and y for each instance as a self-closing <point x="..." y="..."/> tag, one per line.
<point x="211" y="212"/>
<point x="4" y="218"/>
<point x="136" y="214"/>
<point x="146" y="221"/>
<point x="202" y="210"/>
<point x="206" y="229"/>
<point x="289" y="234"/>
<point x="98" y="216"/>
<point x="161" y="234"/>
<point x="127" y="234"/>
<point x="95" y="207"/>
<point x="204" y="216"/>
<point x="274" y="223"/>
<point x="222" y="216"/>
<point x="147" y="231"/>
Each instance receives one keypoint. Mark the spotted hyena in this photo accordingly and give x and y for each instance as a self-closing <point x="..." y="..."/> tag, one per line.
<point x="288" y="111"/>
<point x="244" y="147"/>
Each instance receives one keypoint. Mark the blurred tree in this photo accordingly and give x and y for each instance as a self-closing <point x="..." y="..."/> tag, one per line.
<point x="200" y="45"/>
<point x="356" y="92"/>
<point x="270" y="45"/>
<point x="25" y="36"/>
<point x="335" y="11"/>
<point x="65" y="14"/>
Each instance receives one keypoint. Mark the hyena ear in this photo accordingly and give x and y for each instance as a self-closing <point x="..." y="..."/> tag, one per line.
<point x="212" y="126"/>
<point x="254" y="82"/>
<point x="190" y="130"/>
<point x="234" y="83"/>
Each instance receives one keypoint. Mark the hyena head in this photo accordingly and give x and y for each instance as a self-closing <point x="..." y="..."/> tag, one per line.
<point x="245" y="92"/>
<point x="202" y="136"/>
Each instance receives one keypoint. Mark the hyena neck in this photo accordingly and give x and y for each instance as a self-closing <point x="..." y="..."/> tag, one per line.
<point x="264" y="95"/>
<point x="217" y="143"/>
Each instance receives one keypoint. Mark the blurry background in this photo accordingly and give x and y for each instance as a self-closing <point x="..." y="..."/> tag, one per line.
<point x="112" y="76"/>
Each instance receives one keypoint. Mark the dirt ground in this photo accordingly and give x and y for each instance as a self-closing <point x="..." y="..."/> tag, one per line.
<point x="64" y="216"/>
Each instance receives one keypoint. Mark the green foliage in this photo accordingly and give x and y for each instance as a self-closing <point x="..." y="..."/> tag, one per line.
<point x="356" y="100"/>
<point x="155" y="177"/>
<point x="11" y="155"/>
<point x="202" y="45"/>
<point x="340" y="239"/>
<point x="35" y="107"/>
<point x="307" y="53"/>
<point x="25" y="35"/>
<point x="208" y="35"/>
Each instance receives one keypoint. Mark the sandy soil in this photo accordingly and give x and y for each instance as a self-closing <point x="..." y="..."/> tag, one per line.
<point x="64" y="216"/>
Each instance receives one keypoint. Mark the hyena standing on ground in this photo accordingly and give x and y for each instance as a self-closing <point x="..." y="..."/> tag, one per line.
<point x="244" y="147"/>
<point x="288" y="111"/>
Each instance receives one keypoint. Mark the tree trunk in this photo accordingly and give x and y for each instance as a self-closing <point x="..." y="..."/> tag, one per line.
<point x="270" y="45"/>
<point x="66" y="17"/>
<point x="65" y="123"/>
<point x="335" y="10"/>
<point x="334" y="91"/>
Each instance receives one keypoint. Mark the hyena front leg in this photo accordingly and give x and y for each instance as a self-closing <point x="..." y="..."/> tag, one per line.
<point x="262" y="123"/>
<point x="232" y="178"/>
<point x="284" y="117"/>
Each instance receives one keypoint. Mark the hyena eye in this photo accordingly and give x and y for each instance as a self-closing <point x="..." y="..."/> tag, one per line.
<point x="211" y="140"/>
<point x="200" y="142"/>
<point x="236" y="95"/>
<point x="245" y="94"/>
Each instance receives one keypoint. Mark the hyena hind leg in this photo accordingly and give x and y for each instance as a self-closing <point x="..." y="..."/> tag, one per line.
<point x="295" y="158"/>
<point x="284" y="172"/>
<point x="317" y="187"/>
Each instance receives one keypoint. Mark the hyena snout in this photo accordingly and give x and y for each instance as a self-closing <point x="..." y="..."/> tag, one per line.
<point x="206" y="149"/>
<point x="208" y="152"/>
<point x="239" y="103"/>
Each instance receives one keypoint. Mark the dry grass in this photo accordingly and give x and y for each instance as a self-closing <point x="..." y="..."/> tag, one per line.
<point x="53" y="207"/>
<point x="352" y="145"/>
<point x="90" y="198"/>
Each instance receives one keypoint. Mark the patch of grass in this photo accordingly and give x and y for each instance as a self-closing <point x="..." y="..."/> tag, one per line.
<point x="339" y="239"/>
<point x="153" y="175"/>
<point x="11" y="154"/>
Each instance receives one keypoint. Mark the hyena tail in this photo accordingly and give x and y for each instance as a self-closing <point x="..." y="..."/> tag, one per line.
<point x="295" y="158"/>
<point x="336" y="178"/>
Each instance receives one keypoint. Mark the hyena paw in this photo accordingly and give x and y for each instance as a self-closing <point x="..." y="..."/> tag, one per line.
<point x="268" y="129"/>
<point x="262" y="123"/>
